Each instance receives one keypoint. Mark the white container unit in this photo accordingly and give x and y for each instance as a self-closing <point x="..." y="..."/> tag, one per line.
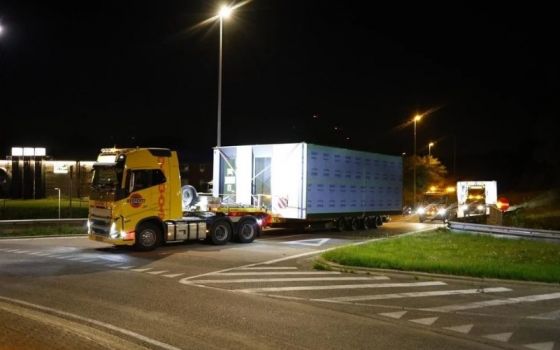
<point x="305" y="181"/>
<point x="475" y="197"/>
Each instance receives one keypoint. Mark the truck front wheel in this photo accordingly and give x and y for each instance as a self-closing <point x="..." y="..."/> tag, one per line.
<point x="220" y="232"/>
<point x="147" y="237"/>
<point x="247" y="231"/>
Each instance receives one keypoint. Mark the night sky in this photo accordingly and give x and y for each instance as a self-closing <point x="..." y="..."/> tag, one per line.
<point x="79" y="76"/>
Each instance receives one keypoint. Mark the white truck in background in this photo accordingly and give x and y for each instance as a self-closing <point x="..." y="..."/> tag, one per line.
<point x="475" y="197"/>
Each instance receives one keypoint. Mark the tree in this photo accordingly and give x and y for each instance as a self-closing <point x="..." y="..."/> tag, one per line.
<point x="429" y="172"/>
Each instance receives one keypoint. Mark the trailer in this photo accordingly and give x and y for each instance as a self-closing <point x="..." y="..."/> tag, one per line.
<point x="303" y="182"/>
<point x="475" y="197"/>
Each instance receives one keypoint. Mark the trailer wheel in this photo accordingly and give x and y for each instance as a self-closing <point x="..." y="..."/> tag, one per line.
<point x="371" y="222"/>
<point x="220" y="232"/>
<point x="378" y="221"/>
<point x="354" y="223"/>
<point x="147" y="237"/>
<point x="247" y="230"/>
<point x="340" y="224"/>
<point x="365" y="223"/>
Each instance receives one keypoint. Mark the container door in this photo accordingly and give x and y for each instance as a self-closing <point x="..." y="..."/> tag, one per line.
<point x="261" y="182"/>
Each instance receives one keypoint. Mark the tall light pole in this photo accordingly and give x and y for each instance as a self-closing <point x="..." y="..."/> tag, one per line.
<point x="416" y="119"/>
<point x="58" y="189"/>
<point x="430" y="145"/>
<point x="225" y="12"/>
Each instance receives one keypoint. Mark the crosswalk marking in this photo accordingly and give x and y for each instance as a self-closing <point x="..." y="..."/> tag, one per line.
<point x="541" y="346"/>
<point x="554" y="315"/>
<point x="141" y="270"/>
<point x="277" y="273"/>
<point x="341" y="286"/>
<point x="172" y="275"/>
<point x="126" y="267"/>
<point x="396" y="315"/>
<point x="295" y="279"/>
<point x="157" y="272"/>
<point x="465" y="329"/>
<point x="428" y="321"/>
<point x="269" y="268"/>
<point x="503" y="337"/>
<point x="416" y="294"/>
<point x="495" y="302"/>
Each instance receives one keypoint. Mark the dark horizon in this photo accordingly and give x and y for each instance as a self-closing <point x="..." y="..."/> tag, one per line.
<point x="76" y="78"/>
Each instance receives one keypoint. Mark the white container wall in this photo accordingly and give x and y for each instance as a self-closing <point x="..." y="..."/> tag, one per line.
<point x="301" y="180"/>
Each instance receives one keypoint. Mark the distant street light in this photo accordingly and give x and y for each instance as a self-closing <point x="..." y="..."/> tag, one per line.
<point x="224" y="13"/>
<point x="1" y="29"/>
<point x="58" y="189"/>
<point x="417" y="118"/>
<point x="430" y="145"/>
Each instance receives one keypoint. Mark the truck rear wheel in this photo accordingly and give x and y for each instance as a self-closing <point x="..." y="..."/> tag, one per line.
<point x="354" y="224"/>
<point x="148" y="237"/>
<point x="340" y="224"/>
<point x="371" y="223"/>
<point x="220" y="232"/>
<point x="247" y="230"/>
<point x="378" y="221"/>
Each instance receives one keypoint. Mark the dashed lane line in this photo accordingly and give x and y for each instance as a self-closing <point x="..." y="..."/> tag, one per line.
<point x="541" y="346"/>
<point x="428" y="321"/>
<point x="495" y="302"/>
<point x="278" y="273"/>
<point x="269" y="268"/>
<point x="157" y="272"/>
<point x="465" y="329"/>
<point x="503" y="337"/>
<point x="173" y="275"/>
<point x="551" y="316"/>
<point x="342" y="286"/>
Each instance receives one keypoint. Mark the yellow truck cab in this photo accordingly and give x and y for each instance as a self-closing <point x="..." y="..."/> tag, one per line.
<point x="136" y="200"/>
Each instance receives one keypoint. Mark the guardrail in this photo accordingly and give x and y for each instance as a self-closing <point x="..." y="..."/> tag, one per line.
<point x="506" y="231"/>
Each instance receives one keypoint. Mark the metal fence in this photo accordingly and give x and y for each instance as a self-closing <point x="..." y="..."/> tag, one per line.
<point x="507" y="231"/>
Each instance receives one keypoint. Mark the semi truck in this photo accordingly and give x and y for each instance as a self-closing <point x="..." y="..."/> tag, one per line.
<point x="438" y="203"/>
<point x="305" y="184"/>
<point x="136" y="200"/>
<point x="475" y="197"/>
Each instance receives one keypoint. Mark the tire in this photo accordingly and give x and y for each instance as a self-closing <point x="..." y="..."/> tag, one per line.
<point x="365" y="223"/>
<point x="379" y="221"/>
<point x="354" y="224"/>
<point x="220" y="232"/>
<point x="247" y="230"/>
<point x="148" y="237"/>
<point x="340" y="224"/>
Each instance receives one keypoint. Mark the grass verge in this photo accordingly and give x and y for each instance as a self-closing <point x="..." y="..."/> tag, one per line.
<point x="441" y="251"/>
<point x="45" y="231"/>
<point x="16" y="209"/>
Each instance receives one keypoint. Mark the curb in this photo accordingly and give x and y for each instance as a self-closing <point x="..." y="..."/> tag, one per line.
<point x="475" y="280"/>
<point x="43" y="236"/>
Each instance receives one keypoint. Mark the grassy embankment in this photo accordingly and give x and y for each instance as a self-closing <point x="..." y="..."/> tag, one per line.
<point x="41" y="209"/>
<point x="441" y="251"/>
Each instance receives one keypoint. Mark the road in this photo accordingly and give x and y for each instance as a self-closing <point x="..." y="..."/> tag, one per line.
<point x="67" y="293"/>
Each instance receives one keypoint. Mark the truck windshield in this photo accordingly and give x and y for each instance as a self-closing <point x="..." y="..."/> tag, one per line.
<point x="475" y="195"/>
<point x="106" y="177"/>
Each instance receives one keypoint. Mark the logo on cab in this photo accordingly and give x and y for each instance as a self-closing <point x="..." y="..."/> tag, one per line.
<point x="136" y="200"/>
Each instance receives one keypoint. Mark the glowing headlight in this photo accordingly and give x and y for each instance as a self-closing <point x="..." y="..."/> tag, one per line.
<point x="480" y="207"/>
<point x="441" y="211"/>
<point x="114" y="233"/>
<point x="259" y="221"/>
<point x="465" y="207"/>
<point x="420" y="211"/>
<point x="88" y="226"/>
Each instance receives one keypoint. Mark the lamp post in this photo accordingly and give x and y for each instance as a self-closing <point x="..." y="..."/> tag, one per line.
<point x="416" y="119"/>
<point x="58" y="189"/>
<point x="430" y="145"/>
<point x="225" y="12"/>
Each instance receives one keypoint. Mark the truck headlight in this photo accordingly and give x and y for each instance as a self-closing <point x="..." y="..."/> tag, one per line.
<point x="113" y="232"/>
<point x="465" y="207"/>
<point x="441" y="211"/>
<point x="421" y="211"/>
<point x="480" y="207"/>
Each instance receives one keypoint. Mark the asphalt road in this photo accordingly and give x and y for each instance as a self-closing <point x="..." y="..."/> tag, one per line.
<point x="68" y="293"/>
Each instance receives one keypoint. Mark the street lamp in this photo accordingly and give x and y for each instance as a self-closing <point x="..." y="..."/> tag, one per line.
<point x="416" y="119"/>
<point x="225" y="12"/>
<point x="430" y="145"/>
<point x="58" y="189"/>
<point x="1" y="29"/>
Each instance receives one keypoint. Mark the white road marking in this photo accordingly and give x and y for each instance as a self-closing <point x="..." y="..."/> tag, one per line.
<point x="126" y="267"/>
<point x="141" y="270"/>
<point x="504" y="337"/>
<point x="157" y="272"/>
<point x="341" y="286"/>
<point x="554" y="315"/>
<point x="278" y="273"/>
<point x="105" y="325"/>
<point x="114" y="265"/>
<point x="295" y="279"/>
<point x="416" y="294"/>
<point x="465" y="329"/>
<point x="172" y="275"/>
<point x="541" y="346"/>
<point x="495" y="302"/>
<point x="270" y="268"/>
<point x="428" y="321"/>
<point x="316" y="242"/>
<point x="397" y="315"/>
